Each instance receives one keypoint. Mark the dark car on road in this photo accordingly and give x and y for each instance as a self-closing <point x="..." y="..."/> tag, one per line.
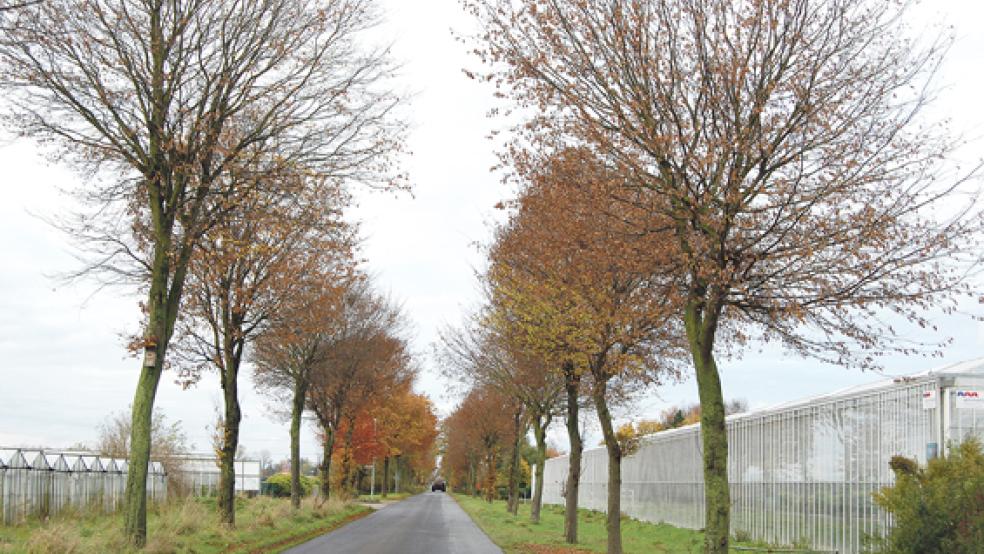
<point x="439" y="485"/>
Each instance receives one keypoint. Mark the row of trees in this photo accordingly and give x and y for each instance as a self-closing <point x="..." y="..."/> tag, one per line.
<point x="695" y="175"/>
<point x="398" y="429"/>
<point x="217" y="140"/>
<point x="487" y="450"/>
<point x="348" y="363"/>
<point x="575" y="318"/>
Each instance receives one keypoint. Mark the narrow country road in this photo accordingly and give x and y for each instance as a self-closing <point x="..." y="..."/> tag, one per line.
<point x="429" y="523"/>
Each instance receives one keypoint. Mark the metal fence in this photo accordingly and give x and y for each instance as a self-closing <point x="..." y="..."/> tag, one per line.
<point x="41" y="483"/>
<point x="800" y="473"/>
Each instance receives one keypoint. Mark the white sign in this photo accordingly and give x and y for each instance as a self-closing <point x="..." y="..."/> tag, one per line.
<point x="929" y="399"/>
<point x="969" y="399"/>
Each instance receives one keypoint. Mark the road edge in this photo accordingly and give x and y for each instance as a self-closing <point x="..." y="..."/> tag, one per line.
<point x="477" y="524"/>
<point x="292" y="541"/>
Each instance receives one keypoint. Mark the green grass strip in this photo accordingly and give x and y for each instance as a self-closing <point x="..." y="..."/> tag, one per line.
<point x="516" y="534"/>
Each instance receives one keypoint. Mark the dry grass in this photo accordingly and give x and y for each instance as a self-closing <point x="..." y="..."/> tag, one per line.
<point x="184" y="518"/>
<point x="269" y="511"/>
<point x="183" y="525"/>
<point x="161" y="543"/>
<point x="57" y="538"/>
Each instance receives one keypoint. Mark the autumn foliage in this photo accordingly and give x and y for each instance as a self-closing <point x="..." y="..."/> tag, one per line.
<point x="775" y="151"/>
<point x="477" y="436"/>
<point x="399" y="428"/>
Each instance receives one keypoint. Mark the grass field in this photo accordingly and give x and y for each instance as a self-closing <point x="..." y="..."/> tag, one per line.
<point x="515" y="534"/>
<point x="262" y="525"/>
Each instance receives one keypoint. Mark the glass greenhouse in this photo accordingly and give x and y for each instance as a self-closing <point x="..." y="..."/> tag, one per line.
<point x="201" y="475"/>
<point x="802" y="472"/>
<point x="41" y="483"/>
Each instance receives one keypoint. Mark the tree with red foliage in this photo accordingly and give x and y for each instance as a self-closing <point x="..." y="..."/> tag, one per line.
<point x="367" y="360"/>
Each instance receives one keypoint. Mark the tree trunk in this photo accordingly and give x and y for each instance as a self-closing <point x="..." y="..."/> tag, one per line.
<point x="230" y="443"/>
<point x="540" y="432"/>
<point x="162" y="305"/>
<point x="512" y="504"/>
<point x="386" y="472"/>
<point x="490" y="475"/>
<point x="297" y="409"/>
<point x="572" y="385"/>
<point x="135" y="507"/>
<point x="473" y="478"/>
<point x="347" y="480"/>
<point x="614" y="520"/>
<point x="701" y="325"/>
<point x="397" y="476"/>
<point x="160" y="298"/>
<point x="326" y="450"/>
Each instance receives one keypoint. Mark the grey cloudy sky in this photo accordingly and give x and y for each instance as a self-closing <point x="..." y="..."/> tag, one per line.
<point x="63" y="367"/>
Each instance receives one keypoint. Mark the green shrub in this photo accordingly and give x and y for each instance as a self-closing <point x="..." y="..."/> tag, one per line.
<point x="279" y="484"/>
<point x="938" y="509"/>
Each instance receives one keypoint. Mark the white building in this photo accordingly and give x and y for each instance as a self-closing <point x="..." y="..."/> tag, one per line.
<point x="200" y="473"/>
<point x="801" y="472"/>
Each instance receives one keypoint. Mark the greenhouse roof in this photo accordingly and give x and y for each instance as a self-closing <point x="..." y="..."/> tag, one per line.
<point x="66" y="460"/>
<point x="92" y="463"/>
<point x="56" y="462"/>
<point x="13" y="458"/>
<point x="36" y="459"/>
<point x="78" y="463"/>
<point x="972" y="368"/>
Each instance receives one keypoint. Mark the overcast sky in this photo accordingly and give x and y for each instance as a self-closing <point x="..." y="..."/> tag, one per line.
<point x="63" y="367"/>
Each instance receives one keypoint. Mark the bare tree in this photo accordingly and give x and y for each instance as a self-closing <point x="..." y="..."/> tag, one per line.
<point x="159" y="99"/>
<point x="244" y="276"/>
<point x="782" y="150"/>
<point x="8" y="7"/>
<point x="168" y="445"/>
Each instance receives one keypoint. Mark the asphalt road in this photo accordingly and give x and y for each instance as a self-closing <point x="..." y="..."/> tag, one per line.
<point x="428" y="523"/>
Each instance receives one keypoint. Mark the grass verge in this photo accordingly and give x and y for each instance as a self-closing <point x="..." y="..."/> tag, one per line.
<point x="263" y="525"/>
<point x="516" y="534"/>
